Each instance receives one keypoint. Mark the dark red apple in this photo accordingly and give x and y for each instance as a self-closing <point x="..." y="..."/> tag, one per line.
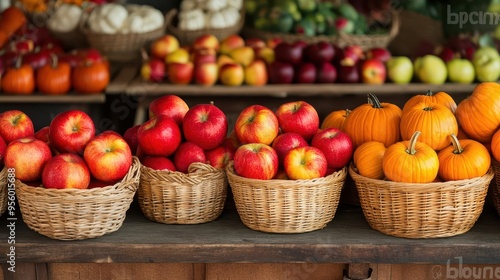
<point x="287" y="52"/>
<point x="349" y="73"/>
<point x="319" y="52"/>
<point x="281" y="72"/>
<point x="285" y="142"/>
<point x="381" y="54"/>
<point x="447" y="54"/>
<point x="186" y="154"/>
<point x="326" y="73"/>
<point x="37" y="58"/>
<point x="305" y="73"/>
<point x="336" y="145"/>
<point x="130" y="137"/>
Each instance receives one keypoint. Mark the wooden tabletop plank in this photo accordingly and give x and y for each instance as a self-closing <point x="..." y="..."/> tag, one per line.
<point x="41" y="98"/>
<point x="346" y="239"/>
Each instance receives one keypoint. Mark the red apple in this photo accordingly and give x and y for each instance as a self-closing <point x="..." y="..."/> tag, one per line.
<point x="163" y="46"/>
<point x="305" y="163"/>
<point x="206" y="41"/>
<point x="3" y="147"/>
<point x="205" y="125"/>
<point x="203" y="56"/>
<point x="305" y="73"/>
<point x="186" y="154"/>
<point x="220" y="156"/>
<point x="256" y="161"/>
<point x="281" y="72"/>
<point x="15" y="124"/>
<point x="231" y="74"/>
<point x="37" y="58"/>
<point x="159" y="136"/>
<point x="89" y="55"/>
<point x="27" y="156"/>
<point x="352" y="53"/>
<point x="288" y="52"/>
<point x="153" y="70"/>
<point x="256" y="124"/>
<point x="158" y="163"/>
<point x="381" y="54"/>
<point x="206" y="74"/>
<point x="298" y="117"/>
<point x="169" y="105"/>
<point x="231" y="142"/>
<point x="319" y="52"/>
<point x="447" y="54"/>
<point x="373" y="72"/>
<point x="255" y="43"/>
<point x="66" y="171"/>
<point x="70" y="131"/>
<point x="285" y="142"/>
<point x="180" y="73"/>
<point x="230" y="43"/>
<point x="336" y="145"/>
<point x="130" y="136"/>
<point x="43" y="134"/>
<point x="21" y="46"/>
<point x="327" y="73"/>
<point x="349" y="73"/>
<point x="72" y="58"/>
<point x="108" y="157"/>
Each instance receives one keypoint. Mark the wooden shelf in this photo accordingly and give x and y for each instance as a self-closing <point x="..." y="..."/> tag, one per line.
<point x="41" y="98"/>
<point x="128" y="81"/>
<point x="346" y="239"/>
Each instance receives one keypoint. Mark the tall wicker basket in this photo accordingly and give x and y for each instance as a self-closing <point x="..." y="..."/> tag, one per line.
<point x="286" y="206"/>
<point x="73" y="214"/>
<point x="438" y="209"/>
<point x="173" y="197"/>
<point x="3" y="190"/>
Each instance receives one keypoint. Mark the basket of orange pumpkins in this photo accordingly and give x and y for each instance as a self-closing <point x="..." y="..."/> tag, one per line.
<point x="288" y="182"/>
<point x="77" y="187"/>
<point x="422" y="171"/>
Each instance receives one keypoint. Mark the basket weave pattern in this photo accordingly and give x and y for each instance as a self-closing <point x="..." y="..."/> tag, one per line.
<point x="172" y="197"/>
<point x="286" y="206"/>
<point x="438" y="209"/>
<point x="495" y="188"/>
<point x="73" y="214"/>
<point x="3" y="190"/>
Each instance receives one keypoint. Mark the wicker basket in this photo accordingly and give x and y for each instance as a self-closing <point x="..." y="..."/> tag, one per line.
<point x="286" y="206"/>
<point x="120" y="47"/>
<point x="72" y="214"/>
<point x="250" y="32"/>
<point x="173" y="197"/>
<point x="438" y="209"/>
<point x="495" y="188"/>
<point x="3" y="190"/>
<point x="74" y="39"/>
<point x="187" y="38"/>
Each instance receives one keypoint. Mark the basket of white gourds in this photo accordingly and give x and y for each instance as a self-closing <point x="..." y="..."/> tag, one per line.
<point x="194" y="18"/>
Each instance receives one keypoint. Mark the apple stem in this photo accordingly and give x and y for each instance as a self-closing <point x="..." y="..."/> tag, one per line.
<point x="429" y="93"/>
<point x="457" y="148"/>
<point x="413" y="142"/>
<point x="211" y="102"/>
<point x="373" y="100"/>
<point x="55" y="60"/>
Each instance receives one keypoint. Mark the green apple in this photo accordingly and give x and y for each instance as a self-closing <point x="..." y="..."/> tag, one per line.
<point x="486" y="61"/>
<point x="461" y="70"/>
<point x="399" y="69"/>
<point x="430" y="69"/>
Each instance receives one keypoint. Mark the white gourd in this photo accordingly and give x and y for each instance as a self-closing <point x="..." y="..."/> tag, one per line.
<point x="114" y="15"/>
<point x="216" y="20"/>
<point x="231" y="15"/>
<point x="237" y="4"/>
<point x="215" y="5"/>
<point x="65" y="19"/>
<point x="188" y="5"/>
<point x="192" y="20"/>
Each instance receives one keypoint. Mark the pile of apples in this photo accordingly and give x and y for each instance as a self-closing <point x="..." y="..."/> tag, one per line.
<point x="288" y="144"/>
<point x="175" y="136"/>
<point x="67" y="154"/>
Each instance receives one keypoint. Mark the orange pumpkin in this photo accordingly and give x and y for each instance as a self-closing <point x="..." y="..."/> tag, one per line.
<point x="495" y="145"/>
<point x="368" y="159"/>
<point x="465" y="159"/>
<point x="54" y="78"/>
<point x="441" y="97"/>
<point x="461" y="133"/>
<point x="19" y="79"/>
<point x="435" y="121"/>
<point x="479" y="114"/>
<point x="4" y="39"/>
<point x="410" y="161"/>
<point x="374" y="121"/>
<point x="336" y="119"/>
<point x="91" y="77"/>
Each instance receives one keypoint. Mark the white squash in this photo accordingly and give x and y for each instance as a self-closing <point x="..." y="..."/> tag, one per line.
<point x="215" y="5"/>
<point x="65" y="19"/>
<point x="237" y="4"/>
<point x="188" y="5"/>
<point x="216" y="20"/>
<point x="192" y="20"/>
<point x="231" y="15"/>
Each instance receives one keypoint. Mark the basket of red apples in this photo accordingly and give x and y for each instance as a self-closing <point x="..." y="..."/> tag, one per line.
<point x="287" y="174"/>
<point x="71" y="184"/>
<point x="183" y="152"/>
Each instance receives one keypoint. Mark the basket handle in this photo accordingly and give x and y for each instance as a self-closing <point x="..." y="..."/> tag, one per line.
<point x="393" y="32"/>
<point x="197" y="167"/>
<point x="169" y="17"/>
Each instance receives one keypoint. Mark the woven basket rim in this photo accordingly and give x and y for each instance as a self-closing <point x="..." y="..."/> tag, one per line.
<point x="393" y="31"/>
<point x="423" y="187"/>
<point x="118" y="185"/>
<point x="337" y="176"/>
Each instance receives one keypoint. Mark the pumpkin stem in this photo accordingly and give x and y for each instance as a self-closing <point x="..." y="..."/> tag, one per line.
<point x="429" y="93"/>
<point x="55" y="60"/>
<point x="457" y="148"/>
<point x="19" y="62"/>
<point x="347" y="112"/>
<point x="373" y="100"/>
<point x="413" y="142"/>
